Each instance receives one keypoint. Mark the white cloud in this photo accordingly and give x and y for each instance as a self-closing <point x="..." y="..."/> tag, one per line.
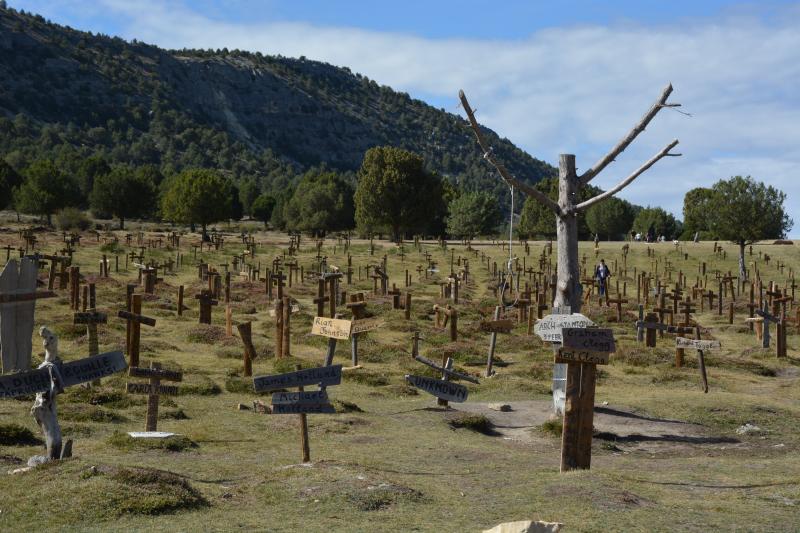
<point x="572" y="89"/>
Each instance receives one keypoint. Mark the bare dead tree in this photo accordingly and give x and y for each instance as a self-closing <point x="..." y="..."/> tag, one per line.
<point x="566" y="210"/>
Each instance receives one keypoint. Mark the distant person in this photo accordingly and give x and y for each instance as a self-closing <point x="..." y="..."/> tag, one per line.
<point x="601" y="274"/>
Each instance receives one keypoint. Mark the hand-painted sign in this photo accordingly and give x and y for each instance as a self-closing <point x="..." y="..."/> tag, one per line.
<point x="446" y="390"/>
<point x="331" y="327"/>
<point x="681" y="342"/>
<point x="549" y="328"/>
<point x="588" y="339"/>
<point x="323" y="375"/>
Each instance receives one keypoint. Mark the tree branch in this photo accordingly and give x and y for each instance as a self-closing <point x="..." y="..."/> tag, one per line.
<point x="624" y="183"/>
<point x="489" y="156"/>
<point x="587" y="176"/>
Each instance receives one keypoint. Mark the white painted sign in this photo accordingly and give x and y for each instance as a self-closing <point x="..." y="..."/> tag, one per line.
<point x="682" y="342"/>
<point x="549" y="328"/>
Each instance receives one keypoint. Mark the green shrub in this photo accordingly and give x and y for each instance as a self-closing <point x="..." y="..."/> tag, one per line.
<point x="71" y="218"/>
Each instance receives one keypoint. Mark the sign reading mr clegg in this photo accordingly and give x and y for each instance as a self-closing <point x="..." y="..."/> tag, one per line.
<point x="588" y="339"/>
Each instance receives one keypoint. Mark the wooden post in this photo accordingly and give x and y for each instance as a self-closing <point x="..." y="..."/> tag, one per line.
<point x="180" y="300"/>
<point x="133" y="349"/>
<point x="304" y="445"/>
<point x="286" y="334"/>
<point x="228" y="321"/>
<point x="152" y="400"/>
<point x="245" y="332"/>
<point x="492" y="344"/>
<point x="278" y="329"/>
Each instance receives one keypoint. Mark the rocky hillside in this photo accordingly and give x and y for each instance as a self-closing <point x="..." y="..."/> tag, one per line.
<point x="65" y="91"/>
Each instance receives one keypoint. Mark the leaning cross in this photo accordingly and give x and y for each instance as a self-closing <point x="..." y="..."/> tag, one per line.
<point x="154" y="389"/>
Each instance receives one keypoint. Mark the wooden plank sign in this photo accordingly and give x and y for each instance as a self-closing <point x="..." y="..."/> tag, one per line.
<point x="92" y="368"/>
<point x="497" y="326"/>
<point x="446" y="390"/>
<point x="302" y="407"/>
<point x="549" y="328"/>
<point x="72" y="373"/>
<point x="566" y="355"/>
<point x="24" y="383"/>
<point x="588" y="339"/>
<point x="311" y="397"/>
<point x="682" y="342"/>
<point x="323" y="375"/>
<point x="333" y="328"/>
<point x="369" y="324"/>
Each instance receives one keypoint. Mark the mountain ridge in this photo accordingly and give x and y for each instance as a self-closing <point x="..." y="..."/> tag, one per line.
<point x="247" y="114"/>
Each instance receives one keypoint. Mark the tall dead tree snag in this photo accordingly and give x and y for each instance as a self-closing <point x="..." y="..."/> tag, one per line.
<point x="567" y="208"/>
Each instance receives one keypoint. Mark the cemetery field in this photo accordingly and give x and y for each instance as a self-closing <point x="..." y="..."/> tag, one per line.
<point x="665" y="455"/>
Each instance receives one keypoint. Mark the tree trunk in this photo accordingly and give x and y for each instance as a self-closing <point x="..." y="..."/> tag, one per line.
<point x="742" y="269"/>
<point x="568" y="289"/>
<point x="49" y="219"/>
<point x="121" y="223"/>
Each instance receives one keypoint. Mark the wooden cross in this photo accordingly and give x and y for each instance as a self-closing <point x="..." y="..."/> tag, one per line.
<point x="135" y="320"/>
<point x="153" y="389"/>
<point x="17" y="305"/>
<point x="582" y="349"/>
<point x="687" y="310"/>
<point x="321" y="298"/>
<point x="50" y="379"/>
<point x="206" y="301"/>
<point x="301" y="402"/>
<point x="442" y="389"/>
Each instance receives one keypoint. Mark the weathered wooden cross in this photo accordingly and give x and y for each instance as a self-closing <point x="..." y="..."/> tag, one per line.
<point x="153" y="389"/>
<point x="135" y="319"/>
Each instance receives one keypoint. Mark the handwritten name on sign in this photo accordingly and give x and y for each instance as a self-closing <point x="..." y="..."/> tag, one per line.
<point x="581" y="356"/>
<point x="323" y="375"/>
<point x="314" y="397"/>
<point x="147" y="388"/>
<point x="588" y="339"/>
<point x="681" y="342"/>
<point x="362" y="326"/>
<point x="24" y="383"/>
<point x="299" y="408"/>
<point x="331" y="327"/>
<point x="446" y="390"/>
<point x="72" y="373"/>
<point x="92" y="368"/>
<point x="497" y="326"/>
<point x="549" y="328"/>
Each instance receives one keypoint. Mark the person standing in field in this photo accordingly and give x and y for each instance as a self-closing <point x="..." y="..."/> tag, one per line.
<point x="601" y="274"/>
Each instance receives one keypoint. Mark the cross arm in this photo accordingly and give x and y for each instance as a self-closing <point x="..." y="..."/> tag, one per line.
<point x="627" y="181"/>
<point x="507" y="177"/>
<point x="587" y="176"/>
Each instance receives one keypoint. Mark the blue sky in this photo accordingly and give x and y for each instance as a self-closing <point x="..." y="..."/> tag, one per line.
<point x="553" y="77"/>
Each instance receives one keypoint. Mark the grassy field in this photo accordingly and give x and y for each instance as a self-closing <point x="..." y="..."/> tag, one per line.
<point x="390" y="460"/>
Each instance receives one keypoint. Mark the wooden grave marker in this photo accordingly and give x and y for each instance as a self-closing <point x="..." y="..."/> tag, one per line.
<point x="701" y="346"/>
<point x="49" y="380"/>
<point x="135" y="319"/>
<point x="153" y="389"/>
<point x="18" y="297"/>
<point x="301" y="402"/>
<point x="443" y="389"/>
